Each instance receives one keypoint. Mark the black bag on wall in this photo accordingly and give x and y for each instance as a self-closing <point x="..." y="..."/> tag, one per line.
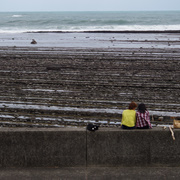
<point x="92" y="127"/>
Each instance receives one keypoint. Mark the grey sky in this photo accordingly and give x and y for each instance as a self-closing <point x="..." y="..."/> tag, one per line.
<point x="88" y="5"/>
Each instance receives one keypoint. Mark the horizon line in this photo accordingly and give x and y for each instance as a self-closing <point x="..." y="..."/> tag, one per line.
<point x="90" y="11"/>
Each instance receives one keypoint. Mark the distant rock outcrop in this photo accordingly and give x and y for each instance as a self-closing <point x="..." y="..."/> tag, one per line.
<point x="33" y="41"/>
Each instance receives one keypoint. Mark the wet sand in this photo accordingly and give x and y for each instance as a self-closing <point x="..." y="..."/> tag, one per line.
<point x="74" y="78"/>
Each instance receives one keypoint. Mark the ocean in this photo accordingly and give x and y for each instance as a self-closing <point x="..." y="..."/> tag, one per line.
<point x="82" y="48"/>
<point x="17" y="22"/>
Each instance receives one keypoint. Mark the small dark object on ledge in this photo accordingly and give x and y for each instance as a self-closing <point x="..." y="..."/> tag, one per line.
<point x="92" y="127"/>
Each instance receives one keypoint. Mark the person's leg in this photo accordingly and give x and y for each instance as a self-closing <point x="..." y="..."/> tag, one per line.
<point x="123" y="127"/>
<point x="145" y="127"/>
<point x="126" y="127"/>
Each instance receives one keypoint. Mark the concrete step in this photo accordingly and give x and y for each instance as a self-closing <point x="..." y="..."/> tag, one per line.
<point x="91" y="173"/>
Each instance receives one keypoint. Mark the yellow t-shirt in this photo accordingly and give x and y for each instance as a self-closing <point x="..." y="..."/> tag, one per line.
<point x="129" y="117"/>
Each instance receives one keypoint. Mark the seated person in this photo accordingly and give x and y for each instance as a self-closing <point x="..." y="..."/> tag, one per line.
<point x="142" y="117"/>
<point x="129" y="117"/>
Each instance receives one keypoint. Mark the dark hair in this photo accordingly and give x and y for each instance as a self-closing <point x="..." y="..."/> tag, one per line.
<point x="142" y="108"/>
<point x="132" y="105"/>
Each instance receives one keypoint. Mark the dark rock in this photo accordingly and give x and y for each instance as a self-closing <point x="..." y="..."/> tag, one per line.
<point x="33" y="41"/>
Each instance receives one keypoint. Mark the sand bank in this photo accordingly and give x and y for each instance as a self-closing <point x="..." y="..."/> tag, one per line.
<point x="93" y="40"/>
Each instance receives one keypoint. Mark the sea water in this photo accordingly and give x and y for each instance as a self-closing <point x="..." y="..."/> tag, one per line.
<point x="15" y="22"/>
<point x="90" y="29"/>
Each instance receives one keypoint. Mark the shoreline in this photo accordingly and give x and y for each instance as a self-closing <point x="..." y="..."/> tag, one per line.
<point x="81" y="75"/>
<point x="94" y="39"/>
<point x="107" y="31"/>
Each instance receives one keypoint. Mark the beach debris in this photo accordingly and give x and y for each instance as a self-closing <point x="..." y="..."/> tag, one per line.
<point x="172" y="133"/>
<point x="33" y="41"/>
<point x="5" y="106"/>
<point x="152" y="118"/>
<point x="16" y="116"/>
<point x="176" y="124"/>
<point x="164" y="127"/>
<point x="160" y="119"/>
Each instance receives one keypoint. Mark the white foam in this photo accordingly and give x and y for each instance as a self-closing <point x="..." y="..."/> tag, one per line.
<point x="92" y="28"/>
<point x="16" y="15"/>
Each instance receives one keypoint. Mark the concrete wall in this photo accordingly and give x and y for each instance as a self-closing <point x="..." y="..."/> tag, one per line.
<point x="74" y="147"/>
<point x="133" y="148"/>
<point x="42" y="148"/>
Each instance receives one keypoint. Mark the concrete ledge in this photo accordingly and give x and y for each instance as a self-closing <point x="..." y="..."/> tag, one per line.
<point x="97" y="173"/>
<point x="76" y="147"/>
<point x="133" y="148"/>
<point x="42" y="148"/>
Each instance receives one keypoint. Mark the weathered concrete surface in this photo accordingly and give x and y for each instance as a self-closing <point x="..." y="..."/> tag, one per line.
<point x="115" y="147"/>
<point x="75" y="147"/>
<point x="42" y="148"/>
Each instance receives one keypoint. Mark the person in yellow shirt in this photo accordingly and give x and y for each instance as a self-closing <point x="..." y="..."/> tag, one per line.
<point x="129" y="117"/>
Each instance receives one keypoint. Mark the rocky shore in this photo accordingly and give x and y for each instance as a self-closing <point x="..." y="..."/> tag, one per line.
<point x="56" y="87"/>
